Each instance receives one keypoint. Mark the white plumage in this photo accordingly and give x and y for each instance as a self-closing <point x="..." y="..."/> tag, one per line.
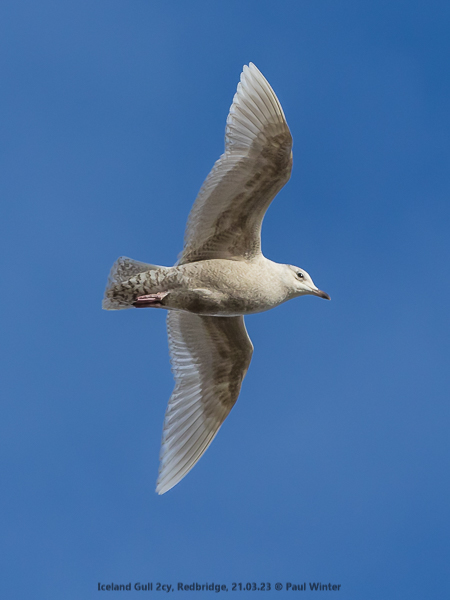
<point x="221" y="275"/>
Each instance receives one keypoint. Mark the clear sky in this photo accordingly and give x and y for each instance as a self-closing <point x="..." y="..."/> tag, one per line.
<point x="333" y="465"/>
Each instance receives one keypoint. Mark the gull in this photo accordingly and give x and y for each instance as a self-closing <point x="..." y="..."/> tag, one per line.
<point x="221" y="276"/>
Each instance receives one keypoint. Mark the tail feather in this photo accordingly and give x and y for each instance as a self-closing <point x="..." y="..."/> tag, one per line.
<point x="124" y="268"/>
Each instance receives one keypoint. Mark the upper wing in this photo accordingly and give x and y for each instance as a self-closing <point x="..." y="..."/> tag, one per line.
<point x="210" y="357"/>
<point x="225" y="221"/>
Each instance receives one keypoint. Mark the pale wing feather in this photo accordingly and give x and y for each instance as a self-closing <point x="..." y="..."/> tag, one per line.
<point x="210" y="357"/>
<point x="225" y="221"/>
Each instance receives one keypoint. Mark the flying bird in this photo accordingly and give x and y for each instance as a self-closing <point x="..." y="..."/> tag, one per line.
<point x="221" y="276"/>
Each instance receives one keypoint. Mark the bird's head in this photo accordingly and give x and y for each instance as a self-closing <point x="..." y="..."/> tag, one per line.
<point x="302" y="284"/>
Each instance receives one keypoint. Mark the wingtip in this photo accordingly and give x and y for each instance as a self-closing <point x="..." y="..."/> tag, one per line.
<point x="160" y="490"/>
<point x="250" y="67"/>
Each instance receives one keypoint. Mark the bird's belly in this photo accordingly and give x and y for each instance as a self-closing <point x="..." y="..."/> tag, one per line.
<point x="215" y="303"/>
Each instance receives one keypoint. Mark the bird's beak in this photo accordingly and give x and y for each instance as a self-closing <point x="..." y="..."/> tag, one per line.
<point x="321" y="294"/>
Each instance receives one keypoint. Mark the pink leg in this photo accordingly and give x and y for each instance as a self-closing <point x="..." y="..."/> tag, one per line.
<point x="150" y="301"/>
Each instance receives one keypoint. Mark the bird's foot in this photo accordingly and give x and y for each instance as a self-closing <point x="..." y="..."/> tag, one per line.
<point x="150" y="300"/>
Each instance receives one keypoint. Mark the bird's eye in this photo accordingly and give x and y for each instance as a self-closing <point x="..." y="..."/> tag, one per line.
<point x="300" y="275"/>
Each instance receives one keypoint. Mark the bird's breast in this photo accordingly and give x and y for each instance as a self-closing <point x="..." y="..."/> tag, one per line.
<point x="226" y="288"/>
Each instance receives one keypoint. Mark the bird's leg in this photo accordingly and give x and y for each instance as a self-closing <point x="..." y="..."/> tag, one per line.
<point x="150" y="300"/>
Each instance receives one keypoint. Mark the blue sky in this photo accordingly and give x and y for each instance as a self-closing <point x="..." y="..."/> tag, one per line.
<point x="333" y="465"/>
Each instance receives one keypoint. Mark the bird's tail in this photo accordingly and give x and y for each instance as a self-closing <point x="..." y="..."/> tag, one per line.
<point x="124" y="268"/>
